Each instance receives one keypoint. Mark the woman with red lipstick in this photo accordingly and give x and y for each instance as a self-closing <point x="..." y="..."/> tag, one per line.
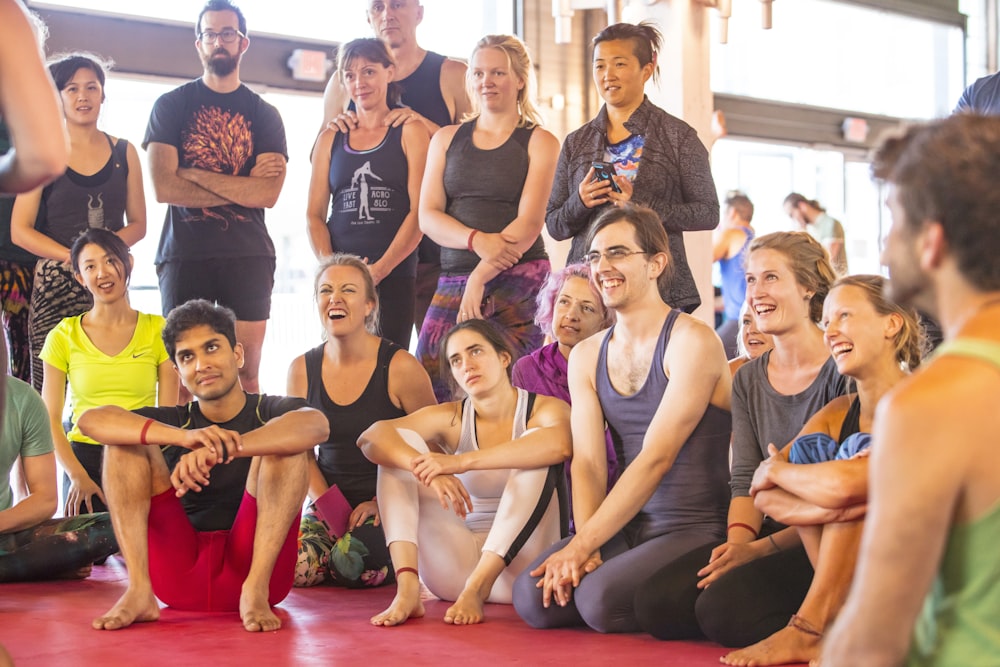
<point x="483" y="200"/>
<point x="355" y="378"/>
<point x="819" y="483"/>
<point x="468" y="487"/>
<point x="762" y="564"/>
<point x="110" y="355"/>
<point x="372" y="173"/>
<point x="102" y="188"/>
<point x="658" y="160"/>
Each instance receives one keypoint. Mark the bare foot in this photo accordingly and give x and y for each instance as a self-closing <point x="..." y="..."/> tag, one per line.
<point x="406" y="604"/>
<point x="467" y="610"/>
<point x="132" y="607"/>
<point x="787" y="645"/>
<point x="256" y="613"/>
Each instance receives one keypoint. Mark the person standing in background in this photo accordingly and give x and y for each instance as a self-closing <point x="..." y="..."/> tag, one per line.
<point x="101" y="188"/>
<point x="483" y="199"/>
<point x="433" y="93"/>
<point x="377" y="222"/>
<point x="982" y="96"/>
<point x="729" y="249"/>
<point x="658" y="159"/>
<point x="813" y="218"/>
<point x="217" y="155"/>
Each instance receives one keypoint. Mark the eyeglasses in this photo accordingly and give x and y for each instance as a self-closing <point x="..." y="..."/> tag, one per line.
<point x="613" y="255"/>
<point x="227" y="36"/>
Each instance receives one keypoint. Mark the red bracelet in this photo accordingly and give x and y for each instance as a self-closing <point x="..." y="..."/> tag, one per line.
<point x="472" y="235"/>
<point x="145" y="428"/>
<point x="406" y="569"/>
<point x="737" y="524"/>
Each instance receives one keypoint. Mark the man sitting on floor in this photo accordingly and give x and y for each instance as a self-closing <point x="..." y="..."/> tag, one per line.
<point x="228" y="545"/>
<point x="33" y="545"/>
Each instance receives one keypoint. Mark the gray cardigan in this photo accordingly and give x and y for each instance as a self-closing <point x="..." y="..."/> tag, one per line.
<point x="674" y="179"/>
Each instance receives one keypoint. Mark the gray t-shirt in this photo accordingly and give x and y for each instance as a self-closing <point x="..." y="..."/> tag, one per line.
<point x="762" y="416"/>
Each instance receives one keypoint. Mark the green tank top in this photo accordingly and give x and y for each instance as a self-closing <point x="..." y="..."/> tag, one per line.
<point x="958" y="624"/>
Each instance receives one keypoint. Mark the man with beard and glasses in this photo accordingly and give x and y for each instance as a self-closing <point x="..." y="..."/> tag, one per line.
<point x="217" y="155"/>
<point x="927" y="587"/>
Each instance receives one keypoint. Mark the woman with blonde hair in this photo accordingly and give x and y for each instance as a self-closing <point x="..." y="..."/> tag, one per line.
<point x="819" y="483"/>
<point x="354" y="378"/>
<point x="483" y="200"/>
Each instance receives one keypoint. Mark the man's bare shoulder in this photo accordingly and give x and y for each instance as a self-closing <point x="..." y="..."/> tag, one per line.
<point x="694" y="331"/>
<point x="585" y="352"/>
<point x="952" y="383"/>
<point x="454" y="69"/>
<point x="952" y="396"/>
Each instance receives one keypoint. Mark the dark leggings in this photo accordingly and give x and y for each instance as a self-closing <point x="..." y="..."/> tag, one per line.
<point x="741" y="608"/>
<point x="605" y="598"/>
<point x="56" y="548"/>
<point x="91" y="458"/>
<point x="396" y="294"/>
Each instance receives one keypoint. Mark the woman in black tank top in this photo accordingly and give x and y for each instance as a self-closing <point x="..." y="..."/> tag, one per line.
<point x="372" y="174"/>
<point x="483" y="201"/>
<point x="102" y="187"/>
<point x="355" y="378"/>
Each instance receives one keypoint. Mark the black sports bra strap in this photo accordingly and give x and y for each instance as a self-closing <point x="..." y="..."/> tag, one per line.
<point x="852" y="420"/>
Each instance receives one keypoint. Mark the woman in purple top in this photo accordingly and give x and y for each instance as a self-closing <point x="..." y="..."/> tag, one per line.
<point x="569" y="310"/>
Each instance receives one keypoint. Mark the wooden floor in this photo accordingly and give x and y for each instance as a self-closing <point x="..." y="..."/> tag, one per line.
<point x="48" y="625"/>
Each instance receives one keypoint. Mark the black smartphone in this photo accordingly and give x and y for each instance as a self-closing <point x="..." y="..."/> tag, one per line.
<point x="604" y="172"/>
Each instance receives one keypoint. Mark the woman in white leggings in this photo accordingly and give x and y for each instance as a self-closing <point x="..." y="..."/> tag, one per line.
<point x="469" y="487"/>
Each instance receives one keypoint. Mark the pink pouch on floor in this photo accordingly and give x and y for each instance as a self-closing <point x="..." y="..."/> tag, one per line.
<point x="334" y="510"/>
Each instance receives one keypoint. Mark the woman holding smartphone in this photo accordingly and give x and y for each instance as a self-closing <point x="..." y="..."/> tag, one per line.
<point x="482" y="199"/>
<point x="633" y="151"/>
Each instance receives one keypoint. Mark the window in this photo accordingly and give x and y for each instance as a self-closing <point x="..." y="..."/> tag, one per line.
<point x="337" y="21"/>
<point x="843" y="56"/>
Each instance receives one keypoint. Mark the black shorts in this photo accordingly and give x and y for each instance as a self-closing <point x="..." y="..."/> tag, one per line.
<point x="243" y="284"/>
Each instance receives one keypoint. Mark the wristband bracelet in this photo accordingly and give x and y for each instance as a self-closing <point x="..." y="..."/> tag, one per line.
<point x="225" y="454"/>
<point x="745" y="526"/>
<point x="145" y="429"/>
<point x="406" y="569"/>
<point x="472" y="235"/>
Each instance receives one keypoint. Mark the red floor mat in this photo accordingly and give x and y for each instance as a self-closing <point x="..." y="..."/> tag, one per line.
<point x="48" y="624"/>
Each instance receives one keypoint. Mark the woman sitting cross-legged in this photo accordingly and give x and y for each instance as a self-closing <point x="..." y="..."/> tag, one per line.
<point x="468" y="487"/>
<point x="355" y="378"/>
<point x="819" y="484"/>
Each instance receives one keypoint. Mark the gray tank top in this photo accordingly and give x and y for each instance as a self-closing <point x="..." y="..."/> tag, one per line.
<point x="694" y="494"/>
<point x="484" y="191"/>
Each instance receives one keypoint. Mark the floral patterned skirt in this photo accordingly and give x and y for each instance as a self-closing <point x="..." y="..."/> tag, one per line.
<point x="358" y="559"/>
